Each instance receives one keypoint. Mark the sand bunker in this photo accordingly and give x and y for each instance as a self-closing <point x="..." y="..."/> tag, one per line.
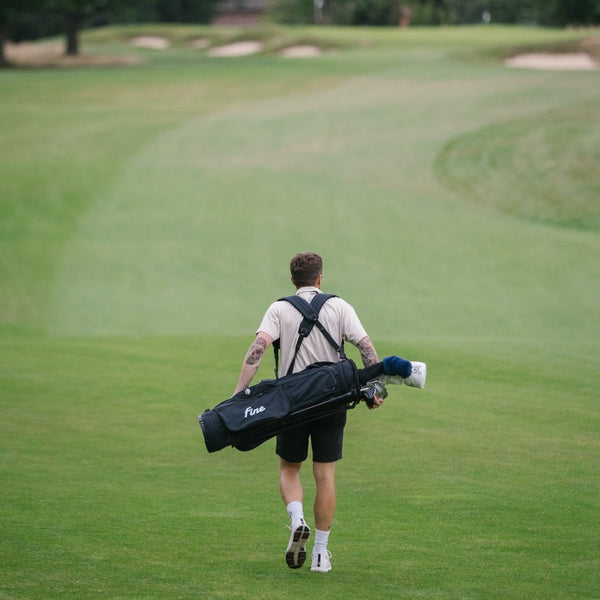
<point x="29" y="53"/>
<point x="52" y="54"/>
<point x="301" y="52"/>
<point x="236" y="49"/>
<point x="152" y="42"/>
<point x="577" y="61"/>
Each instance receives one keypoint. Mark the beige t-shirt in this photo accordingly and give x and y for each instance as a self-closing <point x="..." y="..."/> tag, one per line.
<point x="281" y="321"/>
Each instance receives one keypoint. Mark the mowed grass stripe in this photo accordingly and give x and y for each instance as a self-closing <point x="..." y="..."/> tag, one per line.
<point x="171" y="245"/>
<point x="548" y="160"/>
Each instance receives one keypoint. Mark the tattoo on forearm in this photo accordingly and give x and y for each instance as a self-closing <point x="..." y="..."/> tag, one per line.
<point x="256" y="351"/>
<point x="367" y="352"/>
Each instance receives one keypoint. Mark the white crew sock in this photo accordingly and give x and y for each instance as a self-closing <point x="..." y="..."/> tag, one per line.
<point x="321" y="539"/>
<point x="295" y="511"/>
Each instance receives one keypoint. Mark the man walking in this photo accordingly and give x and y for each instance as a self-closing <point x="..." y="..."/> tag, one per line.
<point x="281" y="322"/>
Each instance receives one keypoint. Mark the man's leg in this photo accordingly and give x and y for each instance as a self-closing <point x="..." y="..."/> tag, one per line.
<point x="290" y="485"/>
<point x="325" y="497"/>
<point x="325" y="501"/>
<point x="292" y="493"/>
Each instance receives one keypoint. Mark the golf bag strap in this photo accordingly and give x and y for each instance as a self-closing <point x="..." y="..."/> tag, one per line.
<point x="310" y="312"/>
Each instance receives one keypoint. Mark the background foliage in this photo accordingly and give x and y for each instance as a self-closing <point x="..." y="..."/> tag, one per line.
<point x="31" y="19"/>
<point x="436" y="12"/>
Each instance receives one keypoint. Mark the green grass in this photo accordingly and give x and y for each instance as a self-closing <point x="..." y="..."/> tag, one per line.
<point x="147" y="216"/>
<point x="526" y="151"/>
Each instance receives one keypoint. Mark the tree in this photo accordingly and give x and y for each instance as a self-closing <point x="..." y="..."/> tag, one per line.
<point x="185" y="11"/>
<point x="32" y="19"/>
<point x="77" y="13"/>
<point x="74" y="13"/>
<point x="556" y="13"/>
<point x="4" y="19"/>
<point x="9" y="11"/>
<point x="567" y="12"/>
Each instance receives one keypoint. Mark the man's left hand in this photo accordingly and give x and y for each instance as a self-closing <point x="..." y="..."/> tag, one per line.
<point x="377" y="402"/>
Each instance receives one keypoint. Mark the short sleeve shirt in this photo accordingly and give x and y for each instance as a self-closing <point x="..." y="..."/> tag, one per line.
<point x="281" y="321"/>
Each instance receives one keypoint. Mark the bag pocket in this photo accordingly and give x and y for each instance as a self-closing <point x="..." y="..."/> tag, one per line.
<point x="311" y="386"/>
<point x="255" y="406"/>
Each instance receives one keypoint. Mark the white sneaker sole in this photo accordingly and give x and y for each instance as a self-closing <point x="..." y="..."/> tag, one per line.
<point x="295" y="555"/>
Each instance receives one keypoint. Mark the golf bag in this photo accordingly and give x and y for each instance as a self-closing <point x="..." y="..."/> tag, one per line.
<point x="272" y="406"/>
<point x="264" y="410"/>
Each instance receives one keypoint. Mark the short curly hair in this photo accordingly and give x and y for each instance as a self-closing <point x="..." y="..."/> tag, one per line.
<point x="305" y="268"/>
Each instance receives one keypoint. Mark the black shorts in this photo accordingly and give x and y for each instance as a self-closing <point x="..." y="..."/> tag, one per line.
<point x="326" y="436"/>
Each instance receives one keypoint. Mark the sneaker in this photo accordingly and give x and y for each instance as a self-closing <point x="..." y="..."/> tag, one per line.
<point x="321" y="562"/>
<point x="418" y="375"/>
<point x="295" y="555"/>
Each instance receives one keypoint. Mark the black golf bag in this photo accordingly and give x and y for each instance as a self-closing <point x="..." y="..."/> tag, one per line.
<point x="261" y="411"/>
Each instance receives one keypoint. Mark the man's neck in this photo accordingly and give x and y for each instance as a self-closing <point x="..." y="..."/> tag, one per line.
<point x="308" y="288"/>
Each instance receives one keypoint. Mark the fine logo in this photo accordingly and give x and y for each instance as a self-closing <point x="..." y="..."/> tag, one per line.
<point x="251" y="412"/>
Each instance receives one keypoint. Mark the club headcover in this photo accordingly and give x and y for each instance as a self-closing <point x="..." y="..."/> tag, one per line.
<point x="394" y="365"/>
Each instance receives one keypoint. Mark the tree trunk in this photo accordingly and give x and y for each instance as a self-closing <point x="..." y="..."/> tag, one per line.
<point x="72" y="23"/>
<point x="3" y="61"/>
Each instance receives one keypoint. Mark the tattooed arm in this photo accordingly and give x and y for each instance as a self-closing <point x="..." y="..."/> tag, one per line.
<point x="252" y="361"/>
<point x="369" y="357"/>
<point x="367" y="352"/>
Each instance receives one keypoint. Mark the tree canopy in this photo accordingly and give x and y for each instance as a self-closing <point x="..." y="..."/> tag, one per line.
<point x="435" y="12"/>
<point x="32" y="19"/>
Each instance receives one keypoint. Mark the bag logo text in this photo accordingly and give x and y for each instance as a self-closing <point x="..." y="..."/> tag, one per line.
<point x="251" y="412"/>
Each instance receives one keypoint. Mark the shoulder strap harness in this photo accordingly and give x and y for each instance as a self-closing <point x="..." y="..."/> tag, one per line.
<point x="310" y="312"/>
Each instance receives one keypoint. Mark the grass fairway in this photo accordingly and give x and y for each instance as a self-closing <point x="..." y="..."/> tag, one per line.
<point x="147" y="217"/>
